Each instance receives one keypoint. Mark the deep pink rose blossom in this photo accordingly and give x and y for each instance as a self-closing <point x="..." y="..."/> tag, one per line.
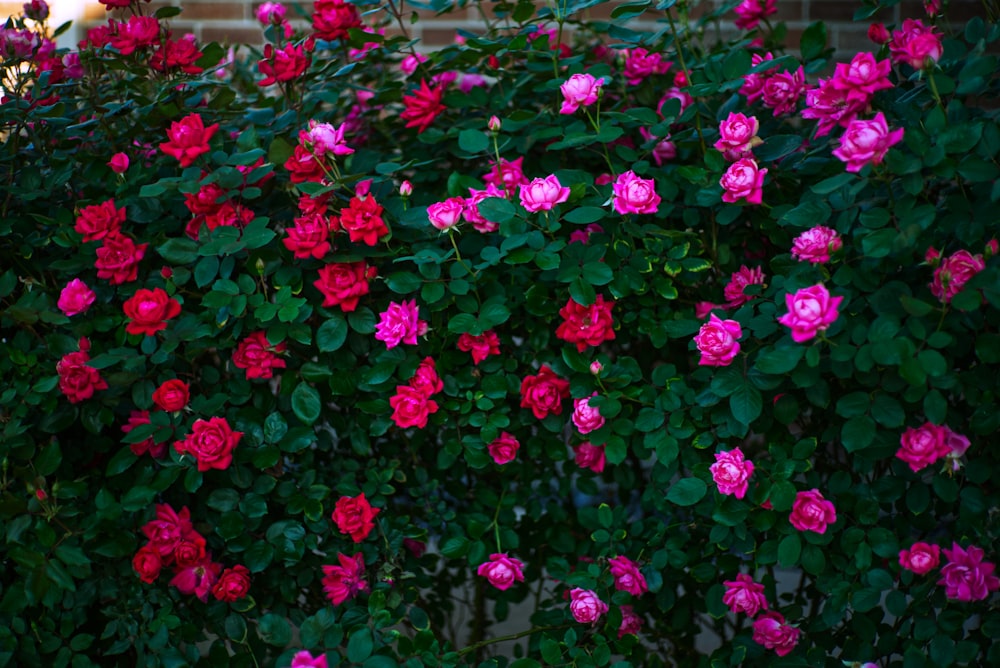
<point x="543" y="194"/>
<point x="586" y="418"/>
<point x="590" y="456"/>
<point x="580" y="90"/>
<point x="119" y="163"/>
<point x="738" y="136"/>
<point x="400" y="323"/>
<point x="304" y="659"/>
<point x="739" y="281"/>
<point x="633" y="194"/>
<point x="751" y="12"/>
<point x="627" y="576"/>
<point x="811" y="512"/>
<point x="922" y="446"/>
<point x="954" y="272"/>
<point x="346" y="580"/>
<point x="502" y="571"/>
<point x="75" y="298"/>
<point x="447" y="214"/>
<point x="810" y="310"/>
<point x="744" y="595"/>
<point x="966" y="577"/>
<point x="743" y="180"/>
<point x="631" y="622"/>
<point x="815" y="245"/>
<point x="771" y="631"/>
<point x="921" y="558"/>
<point x="503" y="449"/>
<point x="717" y="341"/>
<point x="731" y="471"/>
<point x="866" y="142"/>
<point x="916" y="44"/>
<point x="586" y="606"/>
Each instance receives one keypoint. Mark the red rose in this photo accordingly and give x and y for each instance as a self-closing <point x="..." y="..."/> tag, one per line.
<point x="586" y="325"/>
<point x="168" y="529"/>
<point x="77" y="380"/>
<point x="173" y="395"/>
<point x="304" y="166"/>
<point x="309" y="237"/>
<point x="425" y="378"/>
<point x="504" y="448"/>
<point x="423" y="105"/>
<point x="148" y="311"/>
<point x="256" y="354"/>
<point x="147" y="563"/>
<point x="118" y="259"/>
<point x="354" y="516"/>
<point x="362" y="220"/>
<point x="99" y="220"/>
<point x="154" y="449"/>
<point x="544" y="393"/>
<point x="190" y="550"/>
<point x="333" y="18"/>
<point x="411" y="407"/>
<point x="182" y="54"/>
<point x="481" y="347"/>
<point x="233" y="584"/>
<point x="188" y="139"/>
<point x="211" y="443"/>
<point x="282" y="64"/>
<point x="342" y="283"/>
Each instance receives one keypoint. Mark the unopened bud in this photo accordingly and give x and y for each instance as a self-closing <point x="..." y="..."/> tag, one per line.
<point x="932" y="256"/>
<point x="41" y="495"/>
<point x="405" y="189"/>
<point x="166" y="273"/>
<point x="992" y="248"/>
<point x="494" y="124"/>
<point x="596" y="368"/>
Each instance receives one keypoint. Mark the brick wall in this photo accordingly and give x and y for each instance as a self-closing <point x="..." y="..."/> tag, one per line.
<point x="232" y="21"/>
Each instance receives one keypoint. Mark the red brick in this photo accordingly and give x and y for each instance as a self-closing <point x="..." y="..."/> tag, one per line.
<point x="832" y="11"/>
<point x="236" y="34"/>
<point x="215" y="11"/>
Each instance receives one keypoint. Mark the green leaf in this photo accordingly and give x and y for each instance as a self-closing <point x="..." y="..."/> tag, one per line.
<point x="813" y="41"/>
<point x="331" y="334"/>
<point x="687" y="492"/>
<point x="858" y="433"/>
<point x="833" y="184"/>
<point x="274" y="630"/>
<point x="236" y="628"/>
<point x="779" y="361"/>
<point x="630" y="9"/>
<point x="597" y="273"/>
<point x="306" y="403"/>
<point x="746" y="403"/>
<point x="473" y="141"/>
<point x="808" y="214"/>
<point x="782" y="496"/>
<point x="777" y="146"/>
<point x="584" y="215"/>
<point x="789" y="550"/>
<point x="178" y="251"/>
<point x="497" y="210"/>
<point x="359" y="645"/>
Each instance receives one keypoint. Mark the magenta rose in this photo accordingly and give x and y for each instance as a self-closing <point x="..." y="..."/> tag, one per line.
<point x="731" y="472"/>
<point x="447" y="214"/>
<point x="811" y="512"/>
<point x="586" y="606"/>
<point x="75" y="298"/>
<point x="922" y="446"/>
<point x="309" y="237"/>
<point x="810" y="310"/>
<point x="580" y="90"/>
<point x="916" y="44"/>
<point x="502" y="571"/>
<point x="627" y="576"/>
<point x="781" y="92"/>
<point x="543" y="194"/>
<point x="966" y="577"/>
<point x="743" y="180"/>
<point x="590" y="456"/>
<point x="633" y="194"/>
<point x="400" y="323"/>
<point x="631" y="622"/>
<point x="739" y="281"/>
<point x="738" y="136"/>
<point x="750" y="12"/>
<point x="543" y="393"/>
<point x="641" y="64"/>
<point x="503" y="449"/>
<point x="411" y="407"/>
<point x="863" y="75"/>
<point x="771" y="631"/>
<point x="716" y="341"/>
<point x="954" y="272"/>
<point x="119" y="163"/>
<point x="815" y="245"/>
<point x="866" y="142"/>
<point x="586" y="418"/>
<point x="744" y="595"/>
<point x="346" y="580"/>
<point x="921" y="558"/>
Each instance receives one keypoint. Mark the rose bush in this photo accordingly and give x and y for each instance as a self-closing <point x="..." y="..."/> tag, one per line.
<point x="663" y="347"/>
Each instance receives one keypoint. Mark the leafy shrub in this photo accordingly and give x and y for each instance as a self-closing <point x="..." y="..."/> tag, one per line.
<point x="666" y="350"/>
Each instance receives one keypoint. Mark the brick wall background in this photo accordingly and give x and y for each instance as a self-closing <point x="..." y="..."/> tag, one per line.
<point x="232" y="21"/>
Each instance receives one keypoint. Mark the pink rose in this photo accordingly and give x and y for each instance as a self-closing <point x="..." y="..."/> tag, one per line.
<point x="704" y="309"/>
<point x="271" y="13"/>
<point x="400" y="323"/>
<point x="954" y="272"/>
<point x="957" y="445"/>
<point x="543" y="194"/>
<point x="744" y="595"/>
<point x="863" y="75"/>
<point x="508" y="174"/>
<point x="502" y="571"/>
<point x="586" y="418"/>
<point x="119" y="163"/>
<point x="627" y="576"/>
<point x="832" y="106"/>
<point x="447" y="214"/>
<point x="633" y="194"/>
<point x="481" y="346"/>
<point x="811" y="512"/>
<point x="411" y="62"/>
<point x="198" y="578"/>
<point x="411" y="407"/>
<point x="866" y="142"/>
<point x="916" y="44"/>
<point x="426" y="378"/>
<point x="405" y="189"/>
<point x="743" y="180"/>
<point x="922" y="446"/>
<point x="771" y="631"/>
<point x="815" y="245"/>
<point x="781" y="91"/>
<point x="921" y="558"/>
<point x="966" y="576"/>
<point x="324" y="138"/>
<point x="738" y="136"/>
<point x="503" y="449"/>
<point x="640" y="64"/>
<point x="739" y="281"/>
<point x="716" y="341"/>
<point x="580" y="90"/>
<point x="810" y="310"/>
<point x="878" y="33"/>
<point x="663" y="149"/>
<point x="631" y="622"/>
<point x="346" y="580"/>
<point x="304" y="659"/>
<point x="75" y="298"/>
<point x="590" y="456"/>
<point x="471" y="210"/>
<point x="731" y="472"/>
<point x="751" y="12"/>
<point x="586" y="606"/>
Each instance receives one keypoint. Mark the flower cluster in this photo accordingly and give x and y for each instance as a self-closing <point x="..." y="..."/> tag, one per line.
<point x="412" y="404"/>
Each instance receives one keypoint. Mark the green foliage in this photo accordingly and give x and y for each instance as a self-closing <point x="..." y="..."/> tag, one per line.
<point x="316" y="402"/>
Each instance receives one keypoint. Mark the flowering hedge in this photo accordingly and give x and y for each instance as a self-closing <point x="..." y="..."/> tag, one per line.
<point x="660" y="348"/>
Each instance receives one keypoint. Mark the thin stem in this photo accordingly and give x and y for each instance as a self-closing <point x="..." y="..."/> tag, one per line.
<point x="458" y="255"/>
<point x="511" y="636"/>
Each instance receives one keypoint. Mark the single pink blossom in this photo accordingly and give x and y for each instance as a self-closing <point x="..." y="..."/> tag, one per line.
<point x="585" y="606"/>
<point x="447" y="214"/>
<point x="771" y="631"/>
<point x="816" y="244"/>
<point x="743" y="180"/>
<point x="627" y="576"/>
<point x="921" y="558"/>
<point x="400" y="323"/>
<point x="543" y="194"/>
<point x="866" y="142"/>
<point x="580" y="90"/>
<point x="586" y="418"/>
<point x="966" y="577"/>
<point x="811" y="512"/>
<point x="739" y="281"/>
<point x="633" y="194"/>
<point x="731" y="471"/>
<point x="810" y="311"/>
<point x="738" y="136"/>
<point x="75" y="298"/>
<point x="717" y="341"/>
<point x="744" y="595"/>
<point x="502" y="571"/>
